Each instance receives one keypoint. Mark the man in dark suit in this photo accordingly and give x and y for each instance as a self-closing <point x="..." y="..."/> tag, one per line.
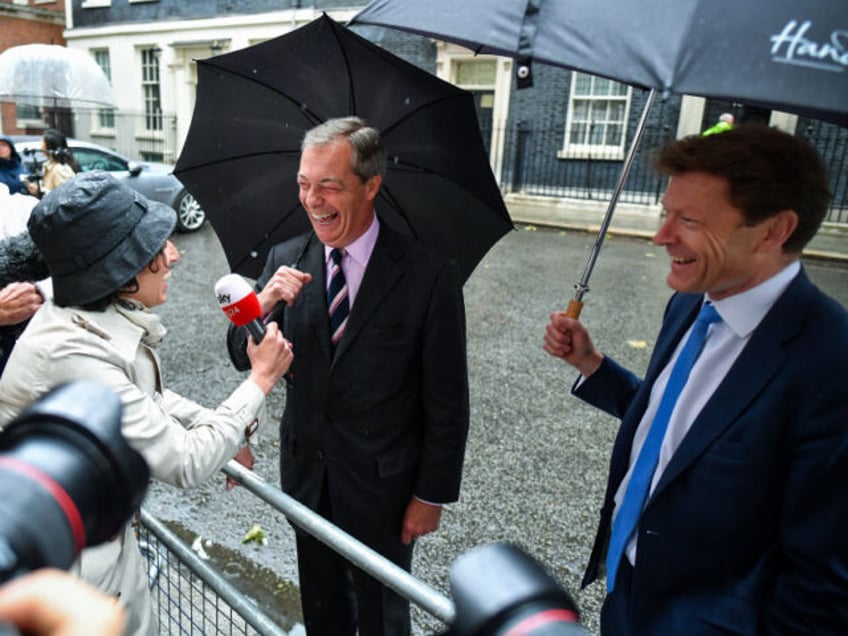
<point x="741" y="528"/>
<point x="376" y="416"/>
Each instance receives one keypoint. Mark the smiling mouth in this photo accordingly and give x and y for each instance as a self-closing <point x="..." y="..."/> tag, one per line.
<point x="682" y="261"/>
<point x="324" y="219"/>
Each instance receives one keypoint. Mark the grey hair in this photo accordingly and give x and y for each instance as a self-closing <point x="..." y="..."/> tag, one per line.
<point x="369" y="154"/>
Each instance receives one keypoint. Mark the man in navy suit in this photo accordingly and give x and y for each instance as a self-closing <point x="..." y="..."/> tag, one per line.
<point x="744" y="529"/>
<point x="376" y="416"/>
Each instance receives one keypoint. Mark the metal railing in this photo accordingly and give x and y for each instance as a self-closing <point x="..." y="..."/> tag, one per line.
<point x="189" y="595"/>
<point x="192" y="597"/>
<point x="534" y="159"/>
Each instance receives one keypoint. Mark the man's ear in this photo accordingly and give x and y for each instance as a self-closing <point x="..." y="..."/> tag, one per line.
<point x="372" y="186"/>
<point x="778" y="228"/>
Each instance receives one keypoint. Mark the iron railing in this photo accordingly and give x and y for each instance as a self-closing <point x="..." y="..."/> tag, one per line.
<point x="534" y="161"/>
<point x="192" y="597"/>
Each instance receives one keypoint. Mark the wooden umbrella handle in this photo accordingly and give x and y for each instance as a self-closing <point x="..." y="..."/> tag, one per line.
<point x="574" y="308"/>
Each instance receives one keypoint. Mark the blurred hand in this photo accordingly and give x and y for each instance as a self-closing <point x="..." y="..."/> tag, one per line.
<point x="270" y="359"/>
<point x="420" y="518"/>
<point x="245" y="458"/>
<point x="50" y="602"/>
<point x="285" y="285"/>
<point x="18" y="302"/>
<point x="566" y="338"/>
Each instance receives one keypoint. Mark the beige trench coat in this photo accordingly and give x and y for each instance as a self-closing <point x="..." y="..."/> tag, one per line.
<point x="183" y="442"/>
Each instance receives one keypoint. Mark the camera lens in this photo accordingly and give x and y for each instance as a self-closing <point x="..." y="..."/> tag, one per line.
<point x="68" y="478"/>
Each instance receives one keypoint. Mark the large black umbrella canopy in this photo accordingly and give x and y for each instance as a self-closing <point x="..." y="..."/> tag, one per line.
<point x="778" y="54"/>
<point x="254" y="105"/>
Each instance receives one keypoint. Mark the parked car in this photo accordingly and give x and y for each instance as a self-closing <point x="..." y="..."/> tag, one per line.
<point x="152" y="179"/>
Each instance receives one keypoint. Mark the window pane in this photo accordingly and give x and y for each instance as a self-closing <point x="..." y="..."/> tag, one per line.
<point x="578" y="133"/>
<point x="28" y="111"/>
<point x="599" y="110"/>
<point x="105" y="116"/>
<point x="476" y="72"/>
<point x="602" y="86"/>
<point x="614" y="135"/>
<point x="150" y="89"/>
<point x="616" y="110"/>
<point x="619" y="89"/>
<point x="581" y="110"/>
<point x="596" y="134"/>
<point x="582" y="84"/>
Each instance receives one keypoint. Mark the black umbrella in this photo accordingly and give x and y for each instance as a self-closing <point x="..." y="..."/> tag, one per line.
<point x="253" y="106"/>
<point x="779" y="54"/>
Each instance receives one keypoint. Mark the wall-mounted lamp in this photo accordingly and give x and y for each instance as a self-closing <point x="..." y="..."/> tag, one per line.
<point x="216" y="47"/>
<point x="156" y="51"/>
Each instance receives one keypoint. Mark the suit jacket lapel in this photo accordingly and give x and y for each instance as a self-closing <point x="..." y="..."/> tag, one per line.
<point x="381" y="275"/>
<point x="759" y="361"/>
<point x="314" y="295"/>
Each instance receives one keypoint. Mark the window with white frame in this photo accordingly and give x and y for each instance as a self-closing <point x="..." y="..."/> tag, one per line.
<point x="150" y="88"/>
<point x="27" y="115"/>
<point x="597" y="118"/>
<point x="105" y="116"/>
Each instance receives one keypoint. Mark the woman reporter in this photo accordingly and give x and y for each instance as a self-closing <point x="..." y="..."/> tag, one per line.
<point x="110" y="258"/>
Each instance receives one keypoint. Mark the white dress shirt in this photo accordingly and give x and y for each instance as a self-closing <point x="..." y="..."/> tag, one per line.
<point x="740" y="315"/>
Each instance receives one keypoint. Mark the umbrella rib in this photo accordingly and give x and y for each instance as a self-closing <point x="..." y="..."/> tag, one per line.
<point x="386" y="194"/>
<point x="414" y="111"/>
<point x="220" y="160"/>
<point x="350" y="92"/>
<point x="267" y="234"/>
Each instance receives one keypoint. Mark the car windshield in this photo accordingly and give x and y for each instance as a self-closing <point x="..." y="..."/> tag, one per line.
<point x="91" y="159"/>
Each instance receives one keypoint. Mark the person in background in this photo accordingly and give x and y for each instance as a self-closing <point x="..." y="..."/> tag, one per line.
<point x="110" y="259"/>
<point x="376" y="416"/>
<point x="724" y="123"/>
<point x="23" y="272"/>
<point x="12" y="169"/>
<point x="727" y="489"/>
<point x="60" y="165"/>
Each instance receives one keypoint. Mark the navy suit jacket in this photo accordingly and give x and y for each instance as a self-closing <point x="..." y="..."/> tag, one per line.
<point x="386" y="417"/>
<point x="747" y="530"/>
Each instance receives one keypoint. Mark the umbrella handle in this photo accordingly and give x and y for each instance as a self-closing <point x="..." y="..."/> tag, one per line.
<point x="574" y="308"/>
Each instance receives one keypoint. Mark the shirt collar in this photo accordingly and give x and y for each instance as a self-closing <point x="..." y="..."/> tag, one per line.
<point x="744" y="311"/>
<point x="360" y="250"/>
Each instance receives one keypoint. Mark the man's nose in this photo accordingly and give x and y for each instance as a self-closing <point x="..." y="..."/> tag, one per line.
<point x="312" y="197"/>
<point x="663" y="235"/>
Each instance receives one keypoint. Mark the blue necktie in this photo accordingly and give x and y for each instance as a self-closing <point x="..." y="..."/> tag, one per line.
<point x="636" y="494"/>
<point x="337" y="299"/>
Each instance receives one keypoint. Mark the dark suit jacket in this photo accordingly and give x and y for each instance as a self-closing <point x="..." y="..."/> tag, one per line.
<point x="387" y="417"/>
<point x="747" y="530"/>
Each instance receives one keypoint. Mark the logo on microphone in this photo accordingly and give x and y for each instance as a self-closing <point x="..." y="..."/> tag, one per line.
<point x="224" y="298"/>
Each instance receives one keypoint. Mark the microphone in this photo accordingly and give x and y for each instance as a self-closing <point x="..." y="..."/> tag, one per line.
<point x="241" y="304"/>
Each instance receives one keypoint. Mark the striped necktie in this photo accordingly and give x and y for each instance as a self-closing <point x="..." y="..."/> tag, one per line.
<point x="337" y="299"/>
<point x="627" y="518"/>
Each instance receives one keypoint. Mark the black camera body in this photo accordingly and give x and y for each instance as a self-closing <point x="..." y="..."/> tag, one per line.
<point x="68" y="478"/>
<point x="499" y="590"/>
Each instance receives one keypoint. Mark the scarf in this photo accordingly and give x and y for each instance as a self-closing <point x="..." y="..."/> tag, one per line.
<point x="138" y="314"/>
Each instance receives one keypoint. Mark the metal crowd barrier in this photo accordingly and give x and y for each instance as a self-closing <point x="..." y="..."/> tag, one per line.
<point x="192" y="597"/>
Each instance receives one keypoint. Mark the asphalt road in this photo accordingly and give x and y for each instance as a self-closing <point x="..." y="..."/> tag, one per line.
<point x="536" y="461"/>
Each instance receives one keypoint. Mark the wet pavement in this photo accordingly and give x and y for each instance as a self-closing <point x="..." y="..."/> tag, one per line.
<point x="537" y="458"/>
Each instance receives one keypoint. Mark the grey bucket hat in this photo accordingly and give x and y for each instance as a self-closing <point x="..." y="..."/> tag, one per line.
<point x="96" y="234"/>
